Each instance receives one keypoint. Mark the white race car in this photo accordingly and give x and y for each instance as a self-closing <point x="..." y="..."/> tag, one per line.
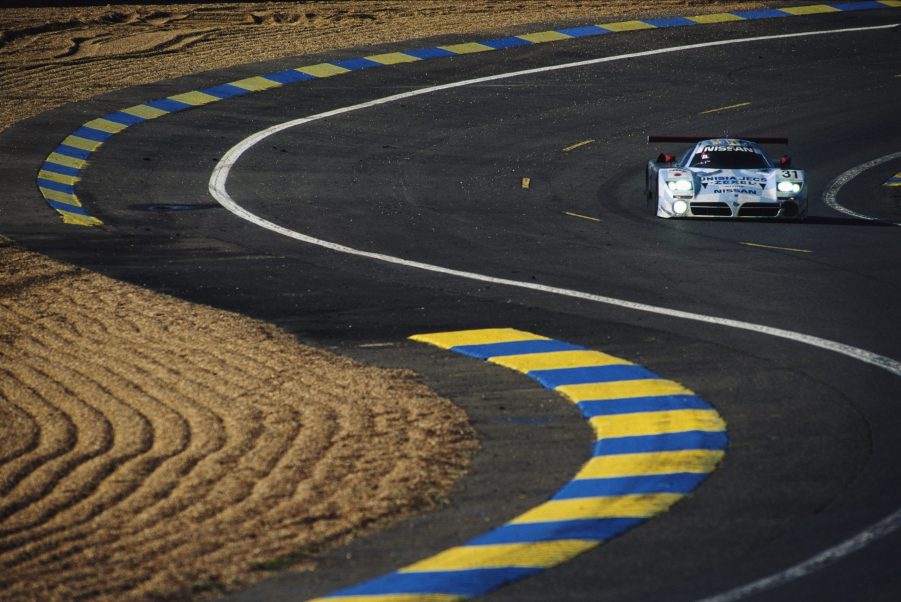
<point x="725" y="177"/>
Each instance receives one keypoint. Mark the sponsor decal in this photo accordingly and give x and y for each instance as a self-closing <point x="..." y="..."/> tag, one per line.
<point x="717" y="149"/>
<point x="722" y="190"/>
<point x="736" y="180"/>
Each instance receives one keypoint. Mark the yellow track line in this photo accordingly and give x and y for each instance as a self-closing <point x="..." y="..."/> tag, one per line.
<point x="735" y="106"/>
<point x="754" y="244"/>
<point x="580" y="216"/>
<point x="577" y="145"/>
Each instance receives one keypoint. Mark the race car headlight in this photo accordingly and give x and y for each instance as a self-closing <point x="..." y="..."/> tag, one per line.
<point x="794" y="187"/>
<point x="679" y="185"/>
<point x="680" y="207"/>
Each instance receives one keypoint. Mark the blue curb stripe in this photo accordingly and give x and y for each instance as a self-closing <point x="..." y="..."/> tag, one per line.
<point x="430" y="53"/>
<point x="667" y="483"/>
<point x="634" y="405"/>
<point x="78" y="209"/>
<point x="656" y="443"/>
<point x="71" y="151"/>
<point x="468" y="583"/>
<point x="585" y="31"/>
<point x="509" y="42"/>
<point x="357" y="64"/>
<point x="92" y="134"/>
<point x="862" y="5"/>
<point x="765" y="13"/>
<point x="485" y="352"/>
<point x="223" y="91"/>
<point x="670" y="22"/>
<point x="552" y="379"/>
<point x="59" y="187"/>
<point x="168" y="105"/>
<point x="289" y="76"/>
<point x="597" y="529"/>
<point x="124" y="118"/>
<point x="64" y="170"/>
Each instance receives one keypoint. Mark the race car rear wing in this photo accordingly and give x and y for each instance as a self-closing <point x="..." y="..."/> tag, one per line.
<point x="758" y="140"/>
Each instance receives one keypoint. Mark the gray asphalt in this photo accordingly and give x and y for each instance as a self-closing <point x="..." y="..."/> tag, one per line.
<point x="814" y="435"/>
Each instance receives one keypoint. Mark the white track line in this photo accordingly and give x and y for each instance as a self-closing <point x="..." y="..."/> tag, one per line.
<point x="886" y="526"/>
<point x="217" y="189"/>
<point x="832" y="190"/>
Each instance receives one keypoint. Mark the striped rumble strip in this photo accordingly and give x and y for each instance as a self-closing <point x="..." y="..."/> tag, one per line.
<point x="655" y="442"/>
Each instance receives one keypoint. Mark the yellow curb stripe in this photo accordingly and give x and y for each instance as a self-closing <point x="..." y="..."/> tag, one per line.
<point x="82" y="143"/>
<point x="67" y="161"/>
<point x="533" y="554"/>
<point x="105" y="125"/>
<point x="195" y="98"/>
<point x="60" y="197"/>
<point x="626" y="26"/>
<point x="622" y="389"/>
<point x="623" y="506"/>
<point x="555" y="360"/>
<point x="814" y="9"/>
<point x="57" y="177"/>
<point x="544" y="36"/>
<point x="715" y="18"/>
<point x="630" y="465"/>
<point x="487" y="336"/>
<point x="145" y="111"/>
<point x="467" y="48"/>
<point x="322" y="70"/>
<point x="76" y="219"/>
<point x="392" y="58"/>
<point x="656" y="423"/>
<point x="256" y="84"/>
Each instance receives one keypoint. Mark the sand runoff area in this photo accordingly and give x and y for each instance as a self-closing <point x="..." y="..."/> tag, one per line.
<point x="174" y="451"/>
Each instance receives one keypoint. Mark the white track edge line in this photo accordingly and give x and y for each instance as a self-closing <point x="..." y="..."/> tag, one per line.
<point x="223" y="167"/>
<point x="829" y="197"/>
<point x="885" y="527"/>
<point x="833" y="554"/>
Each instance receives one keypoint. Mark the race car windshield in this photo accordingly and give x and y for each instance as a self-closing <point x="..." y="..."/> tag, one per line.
<point x="716" y="159"/>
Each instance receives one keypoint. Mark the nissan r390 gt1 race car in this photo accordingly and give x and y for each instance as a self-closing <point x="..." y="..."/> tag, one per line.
<point x="725" y="177"/>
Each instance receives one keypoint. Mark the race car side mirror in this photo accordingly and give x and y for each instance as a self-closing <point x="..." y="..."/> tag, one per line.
<point x="664" y="158"/>
<point x="785" y="161"/>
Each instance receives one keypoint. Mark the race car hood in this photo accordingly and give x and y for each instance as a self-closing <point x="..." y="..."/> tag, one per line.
<point x="744" y="184"/>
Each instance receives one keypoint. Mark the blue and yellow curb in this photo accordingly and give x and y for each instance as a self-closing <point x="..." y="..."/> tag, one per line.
<point x="62" y="169"/>
<point x="895" y="180"/>
<point x="655" y="441"/>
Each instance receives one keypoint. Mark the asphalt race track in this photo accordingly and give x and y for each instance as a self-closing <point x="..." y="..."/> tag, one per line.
<point x="815" y="435"/>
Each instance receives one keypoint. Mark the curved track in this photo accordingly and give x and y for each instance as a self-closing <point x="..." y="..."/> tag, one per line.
<point x="439" y="179"/>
